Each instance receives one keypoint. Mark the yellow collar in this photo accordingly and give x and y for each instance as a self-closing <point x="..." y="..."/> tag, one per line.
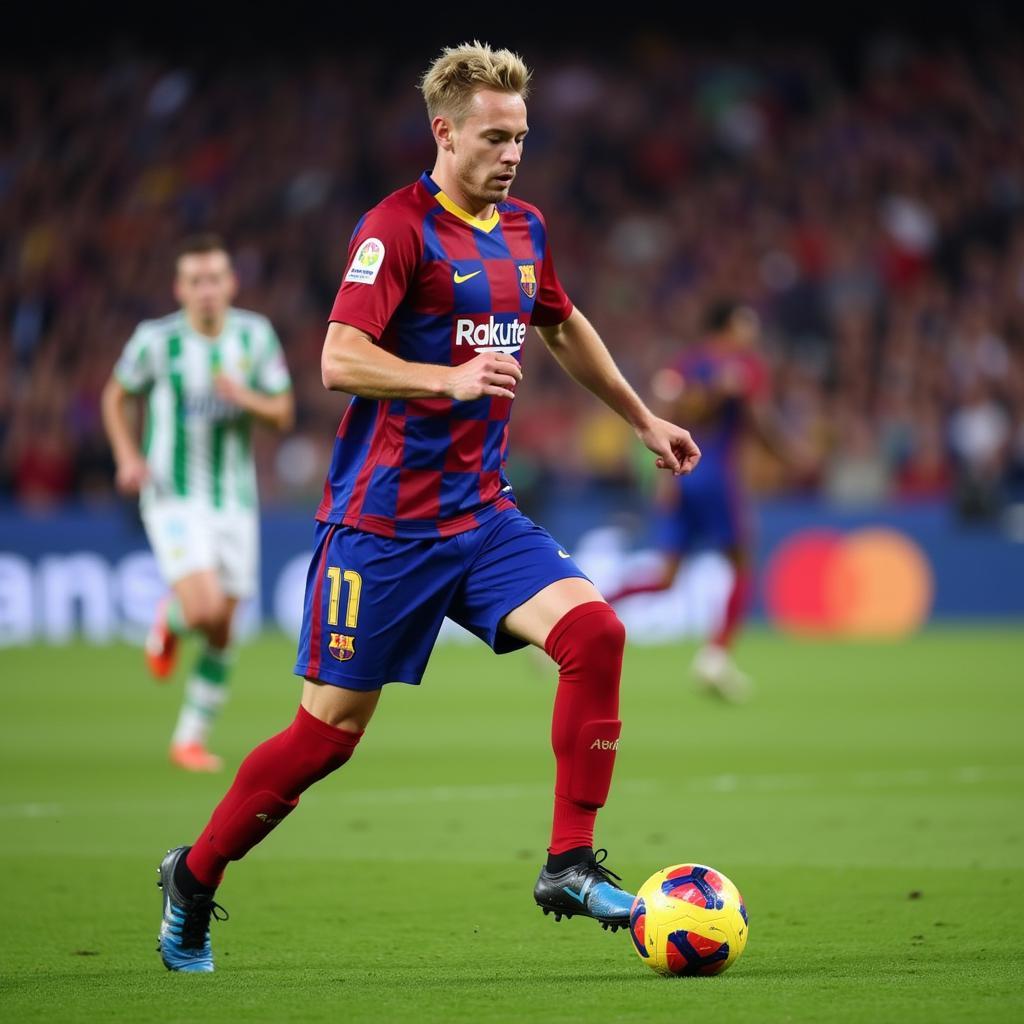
<point x="474" y="222"/>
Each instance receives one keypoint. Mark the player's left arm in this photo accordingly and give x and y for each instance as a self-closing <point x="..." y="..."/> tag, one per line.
<point x="582" y="354"/>
<point x="277" y="411"/>
<point x="269" y="398"/>
<point x="765" y="424"/>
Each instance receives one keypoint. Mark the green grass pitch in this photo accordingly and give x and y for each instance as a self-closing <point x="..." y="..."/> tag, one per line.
<point x="869" y="804"/>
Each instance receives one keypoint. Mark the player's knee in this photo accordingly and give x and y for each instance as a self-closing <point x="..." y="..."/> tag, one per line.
<point x="194" y="613"/>
<point x="589" y="639"/>
<point x="202" y="618"/>
<point x="612" y="633"/>
<point x="605" y="638"/>
<point x="208" y="614"/>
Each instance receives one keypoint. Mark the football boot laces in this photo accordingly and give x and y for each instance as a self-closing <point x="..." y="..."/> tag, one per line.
<point x="196" y="924"/>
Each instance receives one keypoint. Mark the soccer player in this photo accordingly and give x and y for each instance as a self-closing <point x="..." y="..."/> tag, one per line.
<point x="720" y="385"/>
<point x="418" y="520"/>
<point x="206" y="371"/>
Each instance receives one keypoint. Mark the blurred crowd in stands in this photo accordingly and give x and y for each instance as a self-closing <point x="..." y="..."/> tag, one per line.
<point x="874" y="217"/>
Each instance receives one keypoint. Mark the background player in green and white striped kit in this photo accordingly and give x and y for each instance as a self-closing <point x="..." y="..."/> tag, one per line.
<point x="206" y="372"/>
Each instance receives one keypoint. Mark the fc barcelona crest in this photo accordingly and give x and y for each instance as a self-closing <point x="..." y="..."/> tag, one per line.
<point x="528" y="279"/>
<point x="342" y="646"/>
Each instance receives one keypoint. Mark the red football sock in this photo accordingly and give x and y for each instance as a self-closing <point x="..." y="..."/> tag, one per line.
<point x="735" y="608"/>
<point x="266" y="789"/>
<point x="587" y="645"/>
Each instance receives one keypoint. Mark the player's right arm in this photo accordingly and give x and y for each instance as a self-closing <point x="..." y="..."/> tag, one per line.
<point x="132" y="471"/>
<point x="383" y="257"/>
<point x="352" y="362"/>
<point x="132" y="375"/>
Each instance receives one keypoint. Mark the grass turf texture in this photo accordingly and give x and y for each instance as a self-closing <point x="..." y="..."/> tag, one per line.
<point x="868" y="804"/>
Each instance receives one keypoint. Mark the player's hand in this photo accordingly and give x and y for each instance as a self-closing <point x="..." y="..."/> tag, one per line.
<point x="230" y="390"/>
<point x="132" y="473"/>
<point x="675" y="449"/>
<point x="804" y="461"/>
<point x="490" y="373"/>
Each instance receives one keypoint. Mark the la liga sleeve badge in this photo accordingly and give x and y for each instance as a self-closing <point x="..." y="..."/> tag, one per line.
<point x="366" y="263"/>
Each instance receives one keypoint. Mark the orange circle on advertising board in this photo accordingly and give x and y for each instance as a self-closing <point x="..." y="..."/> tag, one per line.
<point x="878" y="583"/>
<point x="872" y="582"/>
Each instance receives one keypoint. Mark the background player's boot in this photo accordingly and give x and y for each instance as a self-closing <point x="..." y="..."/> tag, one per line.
<point x="194" y="757"/>
<point x="716" y="673"/>
<point x="184" y="939"/>
<point x="161" y="644"/>
<point x="586" y="889"/>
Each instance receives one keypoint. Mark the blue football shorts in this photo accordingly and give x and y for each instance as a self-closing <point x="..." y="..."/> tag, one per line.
<point x="708" y="511"/>
<point x="374" y="605"/>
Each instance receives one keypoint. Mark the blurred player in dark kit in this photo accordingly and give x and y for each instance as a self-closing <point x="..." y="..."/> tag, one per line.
<point x="720" y="385"/>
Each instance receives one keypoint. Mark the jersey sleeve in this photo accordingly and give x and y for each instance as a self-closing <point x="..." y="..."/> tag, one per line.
<point x="271" y="373"/>
<point x="383" y="255"/>
<point x="134" y="369"/>
<point x="552" y="306"/>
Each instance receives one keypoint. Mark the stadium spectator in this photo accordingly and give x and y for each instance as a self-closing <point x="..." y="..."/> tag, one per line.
<point x="873" y="215"/>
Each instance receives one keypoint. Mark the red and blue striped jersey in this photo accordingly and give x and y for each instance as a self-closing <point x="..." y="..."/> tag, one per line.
<point x="433" y="284"/>
<point x="744" y="378"/>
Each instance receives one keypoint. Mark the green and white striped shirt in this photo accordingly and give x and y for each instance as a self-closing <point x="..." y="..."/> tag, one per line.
<point x="197" y="445"/>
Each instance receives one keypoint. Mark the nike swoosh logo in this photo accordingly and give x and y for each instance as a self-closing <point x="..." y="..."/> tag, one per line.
<point x="459" y="278"/>
<point x="562" y="554"/>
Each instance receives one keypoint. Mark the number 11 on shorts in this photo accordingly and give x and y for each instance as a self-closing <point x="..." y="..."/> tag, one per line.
<point x="355" y="586"/>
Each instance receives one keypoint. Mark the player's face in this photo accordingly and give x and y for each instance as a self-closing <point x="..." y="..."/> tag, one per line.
<point x="745" y="326"/>
<point x="205" y="285"/>
<point x="488" y="145"/>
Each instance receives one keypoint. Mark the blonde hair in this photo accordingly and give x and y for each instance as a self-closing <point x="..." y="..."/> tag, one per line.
<point x="449" y="84"/>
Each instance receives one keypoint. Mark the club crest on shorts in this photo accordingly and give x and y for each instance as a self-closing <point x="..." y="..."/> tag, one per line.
<point x="528" y="279"/>
<point x="343" y="646"/>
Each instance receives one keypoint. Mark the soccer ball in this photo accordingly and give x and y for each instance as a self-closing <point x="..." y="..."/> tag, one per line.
<point x="688" y="919"/>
